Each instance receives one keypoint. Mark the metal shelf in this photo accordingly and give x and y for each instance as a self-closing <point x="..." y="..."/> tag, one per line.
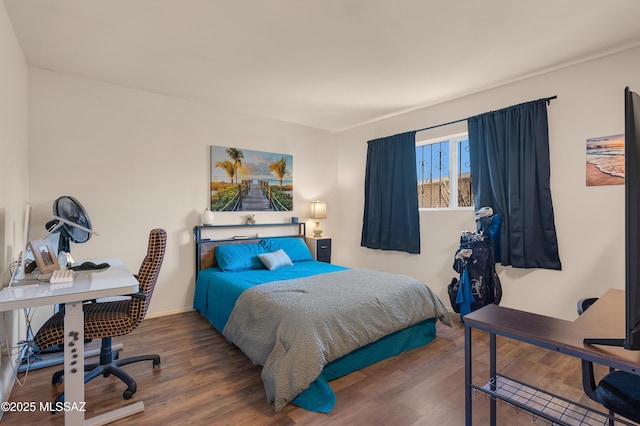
<point x="197" y="230"/>
<point x="247" y="225"/>
<point x="547" y="406"/>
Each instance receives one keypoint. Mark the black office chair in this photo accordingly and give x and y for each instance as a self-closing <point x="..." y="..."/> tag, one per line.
<point x="105" y="320"/>
<point x="583" y="304"/>
<point x="618" y="391"/>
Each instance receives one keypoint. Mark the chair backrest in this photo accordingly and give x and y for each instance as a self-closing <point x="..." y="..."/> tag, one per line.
<point x="148" y="273"/>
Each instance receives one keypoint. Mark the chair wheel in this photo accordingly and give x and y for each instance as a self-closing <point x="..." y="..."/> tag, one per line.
<point x="56" y="379"/>
<point x="57" y="403"/>
<point x="156" y="363"/>
<point x="127" y="394"/>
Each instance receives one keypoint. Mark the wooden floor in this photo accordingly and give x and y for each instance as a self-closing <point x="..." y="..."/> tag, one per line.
<point x="203" y="380"/>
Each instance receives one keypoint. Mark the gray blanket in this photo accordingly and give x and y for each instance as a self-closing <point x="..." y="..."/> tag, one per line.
<point x="294" y="328"/>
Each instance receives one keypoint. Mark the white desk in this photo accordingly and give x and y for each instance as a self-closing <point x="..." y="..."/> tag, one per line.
<point x="116" y="280"/>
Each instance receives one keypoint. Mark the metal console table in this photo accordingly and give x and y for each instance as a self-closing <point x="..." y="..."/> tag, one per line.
<point x="605" y="318"/>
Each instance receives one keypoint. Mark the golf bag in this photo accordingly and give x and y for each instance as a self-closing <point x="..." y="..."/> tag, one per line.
<point x="474" y="260"/>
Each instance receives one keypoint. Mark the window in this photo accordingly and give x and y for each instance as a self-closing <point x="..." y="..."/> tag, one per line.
<point x="443" y="169"/>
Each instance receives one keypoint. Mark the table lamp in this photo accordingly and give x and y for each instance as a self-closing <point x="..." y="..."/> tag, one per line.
<point x="318" y="211"/>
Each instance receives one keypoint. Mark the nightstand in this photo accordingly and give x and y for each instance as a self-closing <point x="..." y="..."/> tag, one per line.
<point x="320" y="248"/>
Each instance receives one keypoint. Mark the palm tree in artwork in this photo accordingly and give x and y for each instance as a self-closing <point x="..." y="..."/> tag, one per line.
<point x="236" y="156"/>
<point x="228" y="167"/>
<point x="279" y="168"/>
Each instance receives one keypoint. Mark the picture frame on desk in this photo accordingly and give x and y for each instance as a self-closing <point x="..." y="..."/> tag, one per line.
<point x="44" y="255"/>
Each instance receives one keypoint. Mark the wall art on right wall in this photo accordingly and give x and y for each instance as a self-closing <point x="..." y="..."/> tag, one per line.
<point x="605" y="160"/>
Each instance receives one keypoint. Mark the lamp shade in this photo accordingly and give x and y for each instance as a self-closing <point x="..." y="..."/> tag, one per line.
<point x="318" y="210"/>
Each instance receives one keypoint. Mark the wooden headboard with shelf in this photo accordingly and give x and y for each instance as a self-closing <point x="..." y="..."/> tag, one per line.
<point x="208" y="237"/>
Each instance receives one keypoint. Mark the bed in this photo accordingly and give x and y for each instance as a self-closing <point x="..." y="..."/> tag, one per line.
<point x="308" y="322"/>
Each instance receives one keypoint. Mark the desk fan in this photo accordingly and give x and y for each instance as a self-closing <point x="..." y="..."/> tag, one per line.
<point x="71" y="220"/>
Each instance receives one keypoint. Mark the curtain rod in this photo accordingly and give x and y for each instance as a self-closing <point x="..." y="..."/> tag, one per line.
<point x="548" y="100"/>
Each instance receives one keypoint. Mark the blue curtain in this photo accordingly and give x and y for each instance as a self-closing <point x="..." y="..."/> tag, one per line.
<point x="391" y="220"/>
<point x="509" y="153"/>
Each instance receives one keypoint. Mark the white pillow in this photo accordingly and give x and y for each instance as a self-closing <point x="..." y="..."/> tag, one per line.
<point x="275" y="259"/>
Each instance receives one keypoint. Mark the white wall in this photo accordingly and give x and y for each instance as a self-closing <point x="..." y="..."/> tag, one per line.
<point x="14" y="189"/>
<point x="138" y="160"/>
<point x="589" y="220"/>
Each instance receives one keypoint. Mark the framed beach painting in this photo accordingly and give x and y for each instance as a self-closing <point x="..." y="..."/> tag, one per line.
<point x="605" y="160"/>
<point x="247" y="180"/>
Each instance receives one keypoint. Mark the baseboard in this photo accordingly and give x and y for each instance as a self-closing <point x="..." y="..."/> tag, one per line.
<point x="165" y="313"/>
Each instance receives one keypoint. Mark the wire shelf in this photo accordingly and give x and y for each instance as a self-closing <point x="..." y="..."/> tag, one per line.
<point x="552" y="408"/>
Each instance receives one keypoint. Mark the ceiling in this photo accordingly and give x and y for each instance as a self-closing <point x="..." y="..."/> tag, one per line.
<point x="328" y="64"/>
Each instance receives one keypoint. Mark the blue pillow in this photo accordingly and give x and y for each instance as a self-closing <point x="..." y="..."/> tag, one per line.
<point x="239" y="257"/>
<point x="295" y="247"/>
<point x="275" y="260"/>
